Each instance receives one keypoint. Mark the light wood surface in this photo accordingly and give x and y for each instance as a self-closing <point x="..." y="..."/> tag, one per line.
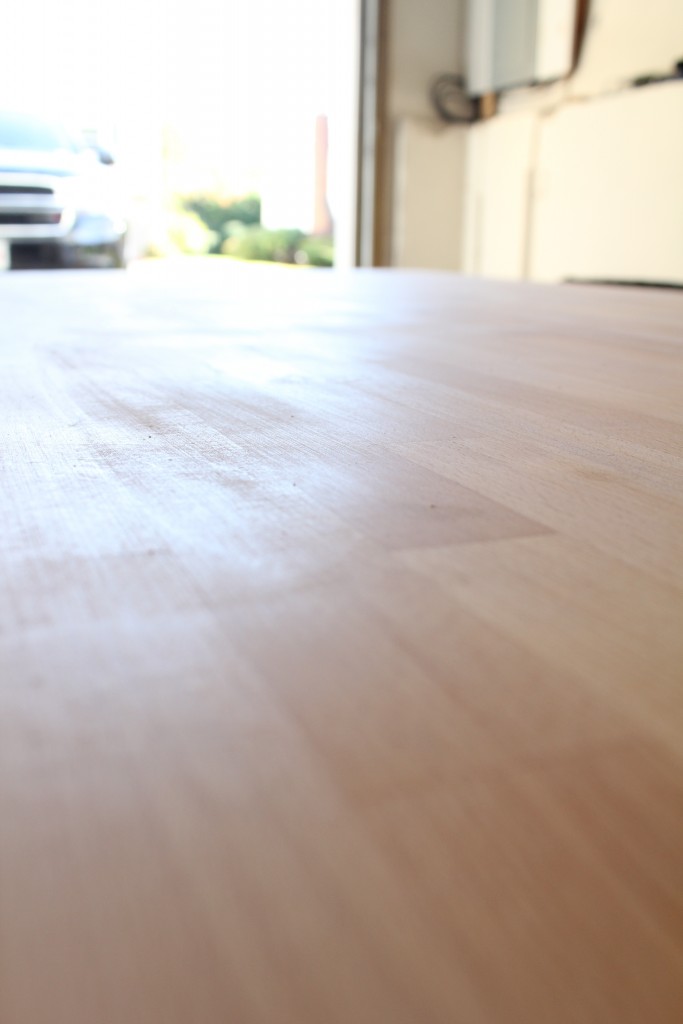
<point x="341" y="650"/>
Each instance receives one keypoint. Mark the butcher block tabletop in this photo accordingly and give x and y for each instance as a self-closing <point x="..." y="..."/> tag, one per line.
<point x="341" y="649"/>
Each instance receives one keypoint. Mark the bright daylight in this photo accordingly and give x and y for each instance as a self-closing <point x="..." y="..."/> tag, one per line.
<point x="215" y="118"/>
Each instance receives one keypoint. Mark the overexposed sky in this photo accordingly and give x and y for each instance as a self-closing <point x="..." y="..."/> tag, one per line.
<point x="228" y="86"/>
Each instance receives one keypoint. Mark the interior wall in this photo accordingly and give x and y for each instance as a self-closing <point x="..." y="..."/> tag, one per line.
<point x="628" y="38"/>
<point x="423" y="160"/>
<point x="619" y="213"/>
<point x="576" y="179"/>
<point x="582" y="178"/>
<point x="424" y="39"/>
<point x="496" y="199"/>
<point x="427" y="220"/>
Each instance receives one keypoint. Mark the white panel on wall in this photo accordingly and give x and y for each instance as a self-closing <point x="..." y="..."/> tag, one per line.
<point x="430" y="162"/>
<point x="626" y="39"/>
<point x="479" y="56"/>
<point x="497" y="191"/>
<point x="514" y="42"/>
<point x="555" y="38"/>
<point x="608" y="196"/>
<point x="518" y="42"/>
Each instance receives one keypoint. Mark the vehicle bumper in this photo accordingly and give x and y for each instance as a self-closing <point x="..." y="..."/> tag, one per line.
<point x="35" y="210"/>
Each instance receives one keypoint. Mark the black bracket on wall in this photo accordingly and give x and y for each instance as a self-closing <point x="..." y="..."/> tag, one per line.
<point x="449" y="99"/>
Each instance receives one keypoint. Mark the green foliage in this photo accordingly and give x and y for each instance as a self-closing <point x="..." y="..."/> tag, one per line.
<point x="317" y="251"/>
<point x="260" y="244"/>
<point x="203" y="224"/>
<point x="247" y="210"/>
<point x="220" y="215"/>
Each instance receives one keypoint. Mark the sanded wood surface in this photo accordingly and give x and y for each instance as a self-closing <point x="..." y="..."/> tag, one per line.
<point x="341" y="650"/>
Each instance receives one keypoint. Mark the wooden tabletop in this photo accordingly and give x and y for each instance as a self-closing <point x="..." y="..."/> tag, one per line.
<point x="341" y="649"/>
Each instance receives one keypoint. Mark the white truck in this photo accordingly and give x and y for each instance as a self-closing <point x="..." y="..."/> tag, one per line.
<point x="59" y="197"/>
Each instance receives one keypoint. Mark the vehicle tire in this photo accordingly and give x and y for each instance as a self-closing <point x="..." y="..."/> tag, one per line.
<point x="117" y="254"/>
<point x="66" y="257"/>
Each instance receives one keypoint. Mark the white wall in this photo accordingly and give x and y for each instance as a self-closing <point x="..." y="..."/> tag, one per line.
<point x="428" y="192"/>
<point x="609" y="189"/>
<point x="496" y="196"/>
<point x="423" y="159"/>
<point x="627" y="38"/>
<point x="583" y="178"/>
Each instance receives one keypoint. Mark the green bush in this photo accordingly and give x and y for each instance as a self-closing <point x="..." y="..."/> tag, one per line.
<point x="317" y="251"/>
<point x="202" y="224"/>
<point x="253" y="243"/>
<point x="220" y="215"/>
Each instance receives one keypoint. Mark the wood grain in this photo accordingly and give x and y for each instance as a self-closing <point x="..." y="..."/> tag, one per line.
<point x="341" y="649"/>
